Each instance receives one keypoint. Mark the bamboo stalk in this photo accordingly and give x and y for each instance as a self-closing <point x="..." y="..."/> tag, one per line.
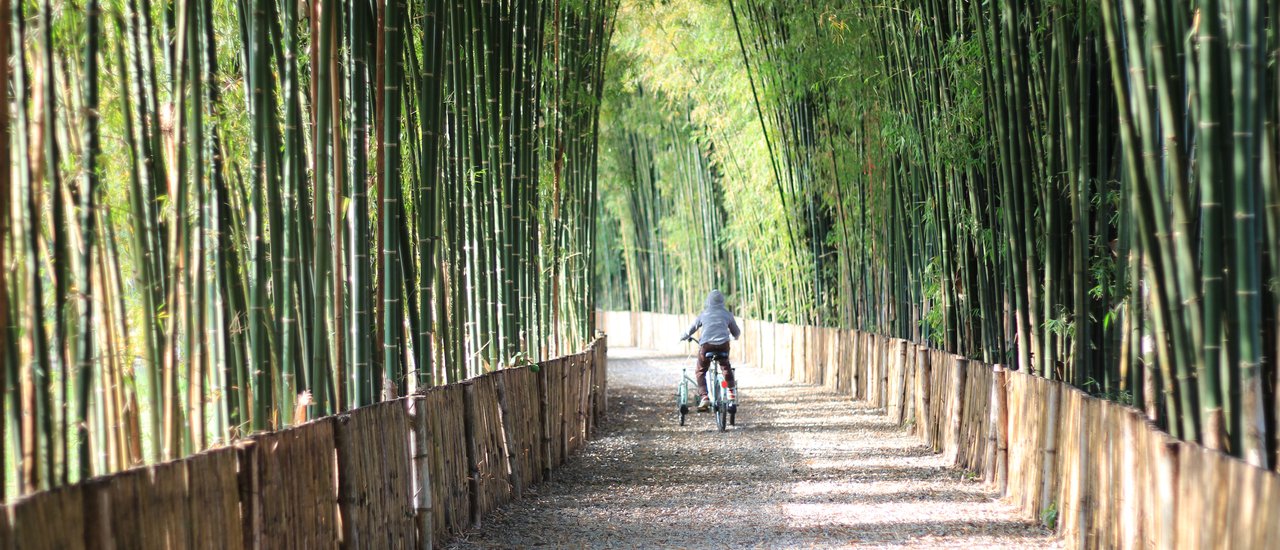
<point x="85" y="349"/>
<point x="259" y="328"/>
<point x="7" y="342"/>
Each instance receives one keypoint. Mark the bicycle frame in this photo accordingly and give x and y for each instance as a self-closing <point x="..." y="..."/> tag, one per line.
<point x="724" y="408"/>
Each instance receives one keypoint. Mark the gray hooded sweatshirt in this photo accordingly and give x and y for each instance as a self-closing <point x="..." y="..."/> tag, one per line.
<point x="716" y="322"/>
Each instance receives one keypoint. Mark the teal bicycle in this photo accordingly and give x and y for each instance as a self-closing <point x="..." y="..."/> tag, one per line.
<point x="725" y="407"/>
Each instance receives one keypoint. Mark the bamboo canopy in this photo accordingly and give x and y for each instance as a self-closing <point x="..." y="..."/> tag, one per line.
<point x="222" y="218"/>
<point x="1083" y="191"/>
<point x="226" y="218"/>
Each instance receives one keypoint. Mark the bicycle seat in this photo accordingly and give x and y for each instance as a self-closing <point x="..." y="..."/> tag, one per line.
<point x="717" y="355"/>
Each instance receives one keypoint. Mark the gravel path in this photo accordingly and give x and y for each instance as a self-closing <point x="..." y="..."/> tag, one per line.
<point x="802" y="468"/>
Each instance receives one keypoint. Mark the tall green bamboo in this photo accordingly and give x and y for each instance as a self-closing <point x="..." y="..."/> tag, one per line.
<point x="7" y="338"/>
<point x="84" y="351"/>
<point x="1247" y="424"/>
<point x="258" y="326"/>
<point x="292" y="375"/>
<point x="1025" y="186"/>
<point x="322" y="61"/>
<point x="1211" y="161"/>
<point x="393" y="378"/>
<point x="358" y="279"/>
<point x="243" y="275"/>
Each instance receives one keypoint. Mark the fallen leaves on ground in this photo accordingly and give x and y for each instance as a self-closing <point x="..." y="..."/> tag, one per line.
<point x="802" y="468"/>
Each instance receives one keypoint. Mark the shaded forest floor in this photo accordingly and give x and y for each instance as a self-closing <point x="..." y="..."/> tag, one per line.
<point x="802" y="468"/>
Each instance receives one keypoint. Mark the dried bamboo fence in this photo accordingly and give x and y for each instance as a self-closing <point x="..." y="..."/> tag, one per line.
<point x="1103" y="474"/>
<point x="397" y="474"/>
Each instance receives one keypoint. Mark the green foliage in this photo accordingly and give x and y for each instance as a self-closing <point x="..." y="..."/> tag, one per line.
<point x="1002" y="180"/>
<point x="1049" y="516"/>
<point x="1095" y="388"/>
<point x="255" y="230"/>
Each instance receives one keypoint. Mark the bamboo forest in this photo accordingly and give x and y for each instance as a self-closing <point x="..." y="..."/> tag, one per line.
<point x="229" y="220"/>
<point x="1085" y="191"/>
<point x="227" y="217"/>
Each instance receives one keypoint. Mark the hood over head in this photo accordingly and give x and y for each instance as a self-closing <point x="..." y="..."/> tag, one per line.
<point x="715" y="300"/>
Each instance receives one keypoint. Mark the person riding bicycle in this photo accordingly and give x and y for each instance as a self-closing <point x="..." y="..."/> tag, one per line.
<point x="717" y="326"/>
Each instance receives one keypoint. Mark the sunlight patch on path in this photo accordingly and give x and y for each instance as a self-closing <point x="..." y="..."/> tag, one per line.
<point x="802" y="468"/>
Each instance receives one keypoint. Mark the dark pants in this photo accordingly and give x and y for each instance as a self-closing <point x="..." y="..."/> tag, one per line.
<point x="703" y="364"/>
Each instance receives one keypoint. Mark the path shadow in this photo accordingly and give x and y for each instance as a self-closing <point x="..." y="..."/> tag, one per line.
<point x="647" y="482"/>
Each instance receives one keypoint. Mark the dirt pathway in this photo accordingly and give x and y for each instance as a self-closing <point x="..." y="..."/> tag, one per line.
<point x="802" y="468"/>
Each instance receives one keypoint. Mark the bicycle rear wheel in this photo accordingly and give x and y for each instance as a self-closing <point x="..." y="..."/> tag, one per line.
<point x="682" y="397"/>
<point x="722" y="409"/>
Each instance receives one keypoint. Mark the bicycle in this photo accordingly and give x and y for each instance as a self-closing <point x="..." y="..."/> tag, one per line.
<point x="726" y="409"/>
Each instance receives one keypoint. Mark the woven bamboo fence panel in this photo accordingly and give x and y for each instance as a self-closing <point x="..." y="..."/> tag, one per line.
<point x="803" y="346"/>
<point x="825" y="350"/>
<point x="885" y="356"/>
<point x="817" y="348"/>
<point x="882" y="359"/>
<point x="569" y="407"/>
<point x="292" y="487"/>
<point x="375" y="482"/>
<point x="779" y="358"/>
<point x="843" y="359"/>
<point x="797" y="353"/>
<point x="893" y="370"/>
<point x="553" y="412"/>
<point x="975" y="417"/>
<point x="522" y="421"/>
<point x="578" y="401"/>
<point x="782" y="357"/>
<point x="895" y="379"/>
<point x="792" y="354"/>
<point x="486" y="447"/>
<point x="1027" y="398"/>
<point x="833" y="370"/>
<point x="873" y="366"/>
<point x="148" y="507"/>
<point x="803" y="364"/>
<point x="910" y="365"/>
<point x="860" y="354"/>
<point x="806" y="351"/>
<point x="1106" y="475"/>
<point x="1071" y="464"/>
<point x="52" y="520"/>
<point x="621" y="323"/>
<point x="6" y="529"/>
<point x="600" y="378"/>
<point x="376" y="477"/>
<point x="1107" y="501"/>
<point x="213" y="500"/>
<point x="772" y="353"/>
<point x="188" y="503"/>
<point x="444" y="428"/>
<point x="586" y="410"/>
<point x="943" y="402"/>
<point x="1144" y="490"/>
<point x="763" y="348"/>
<point x="770" y="356"/>
<point x="923" y="404"/>
<point x="753" y="345"/>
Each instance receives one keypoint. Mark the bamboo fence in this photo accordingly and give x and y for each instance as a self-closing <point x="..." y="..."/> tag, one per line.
<point x="404" y="473"/>
<point x="1100" y="471"/>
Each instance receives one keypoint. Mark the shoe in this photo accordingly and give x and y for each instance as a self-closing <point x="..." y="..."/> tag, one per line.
<point x="705" y="405"/>
<point x="733" y="395"/>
